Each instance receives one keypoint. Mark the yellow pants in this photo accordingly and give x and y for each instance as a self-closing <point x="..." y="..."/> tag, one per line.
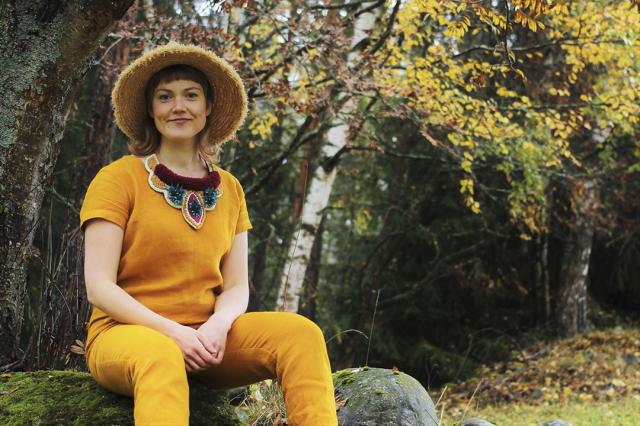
<point x="138" y="361"/>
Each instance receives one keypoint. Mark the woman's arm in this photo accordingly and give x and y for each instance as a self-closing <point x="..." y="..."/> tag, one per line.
<point x="103" y="245"/>
<point x="233" y="300"/>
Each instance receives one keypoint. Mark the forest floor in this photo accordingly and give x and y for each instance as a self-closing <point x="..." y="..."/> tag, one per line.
<point x="591" y="379"/>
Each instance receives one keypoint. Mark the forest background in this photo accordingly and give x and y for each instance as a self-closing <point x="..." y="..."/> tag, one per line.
<point x="464" y="172"/>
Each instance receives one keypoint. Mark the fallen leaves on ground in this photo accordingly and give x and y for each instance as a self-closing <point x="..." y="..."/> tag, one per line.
<point x="595" y="366"/>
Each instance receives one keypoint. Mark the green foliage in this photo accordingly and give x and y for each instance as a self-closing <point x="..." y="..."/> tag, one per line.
<point x="434" y="263"/>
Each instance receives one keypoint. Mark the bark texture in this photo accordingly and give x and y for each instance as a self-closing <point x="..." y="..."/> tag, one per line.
<point x="45" y="49"/>
<point x="571" y="304"/>
<point x="572" y="301"/>
<point x="321" y="183"/>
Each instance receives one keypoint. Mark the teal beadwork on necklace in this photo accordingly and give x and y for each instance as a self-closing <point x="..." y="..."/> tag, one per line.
<point x="193" y="196"/>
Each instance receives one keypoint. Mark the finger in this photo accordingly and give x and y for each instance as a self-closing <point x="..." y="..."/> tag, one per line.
<point x="200" y="354"/>
<point x="200" y="365"/>
<point x="219" y="356"/>
<point x="206" y="342"/>
<point x="193" y="355"/>
<point x="199" y="362"/>
<point x="192" y="366"/>
<point x="203" y="357"/>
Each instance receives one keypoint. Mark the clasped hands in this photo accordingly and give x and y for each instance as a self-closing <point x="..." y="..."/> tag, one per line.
<point x="204" y="347"/>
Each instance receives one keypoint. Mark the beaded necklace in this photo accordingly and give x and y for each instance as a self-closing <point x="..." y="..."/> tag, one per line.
<point x="193" y="196"/>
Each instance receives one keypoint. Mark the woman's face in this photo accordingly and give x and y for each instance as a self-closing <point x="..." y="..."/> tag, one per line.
<point x="179" y="110"/>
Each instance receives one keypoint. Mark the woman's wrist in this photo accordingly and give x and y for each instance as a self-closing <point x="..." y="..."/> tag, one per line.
<point x="166" y="326"/>
<point x="221" y="319"/>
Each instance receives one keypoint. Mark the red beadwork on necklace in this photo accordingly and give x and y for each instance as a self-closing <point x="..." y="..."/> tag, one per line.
<point x="212" y="180"/>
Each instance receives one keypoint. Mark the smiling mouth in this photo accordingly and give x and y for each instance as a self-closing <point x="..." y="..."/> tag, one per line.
<point x="180" y="120"/>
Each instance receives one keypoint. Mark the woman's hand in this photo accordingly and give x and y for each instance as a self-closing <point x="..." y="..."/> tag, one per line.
<point x="197" y="349"/>
<point x="215" y="330"/>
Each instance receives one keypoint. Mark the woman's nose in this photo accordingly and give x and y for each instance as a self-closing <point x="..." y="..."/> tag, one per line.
<point x="179" y="103"/>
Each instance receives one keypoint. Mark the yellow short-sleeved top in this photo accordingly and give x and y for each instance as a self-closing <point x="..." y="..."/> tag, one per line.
<point x="165" y="263"/>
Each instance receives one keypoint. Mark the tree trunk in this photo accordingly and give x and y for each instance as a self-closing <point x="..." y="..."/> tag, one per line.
<point x="46" y="48"/>
<point x="309" y="305"/>
<point x="544" y="277"/>
<point x="571" y="304"/>
<point x="231" y="25"/>
<point x="321" y="184"/>
<point x="259" y="255"/>
<point x="64" y="285"/>
<point x="301" y="183"/>
<point x="571" y="307"/>
<point x="541" y="291"/>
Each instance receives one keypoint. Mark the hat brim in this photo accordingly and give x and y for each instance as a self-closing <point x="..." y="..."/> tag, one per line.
<point x="229" y="107"/>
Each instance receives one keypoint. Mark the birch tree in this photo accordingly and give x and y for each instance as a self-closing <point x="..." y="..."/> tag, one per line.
<point x="571" y="305"/>
<point x="322" y="179"/>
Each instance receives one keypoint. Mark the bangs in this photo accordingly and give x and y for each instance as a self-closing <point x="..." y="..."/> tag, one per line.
<point x="178" y="72"/>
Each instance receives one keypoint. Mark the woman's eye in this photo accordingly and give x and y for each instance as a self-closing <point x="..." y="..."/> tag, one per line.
<point x="163" y="97"/>
<point x="192" y="95"/>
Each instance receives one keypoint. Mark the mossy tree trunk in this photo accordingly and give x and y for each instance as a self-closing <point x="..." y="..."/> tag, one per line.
<point x="45" y="49"/>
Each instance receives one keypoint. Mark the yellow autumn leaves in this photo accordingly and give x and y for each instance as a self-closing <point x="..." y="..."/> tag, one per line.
<point x="520" y="104"/>
<point x="478" y="106"/>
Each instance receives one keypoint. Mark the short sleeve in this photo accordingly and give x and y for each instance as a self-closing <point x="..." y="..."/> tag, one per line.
<point x="107" y="198"/>
<point x="243" y="223"/>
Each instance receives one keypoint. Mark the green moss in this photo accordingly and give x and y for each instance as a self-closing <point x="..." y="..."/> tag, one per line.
<point x="74" y="398"/>
<point x="378" y="391"/>
<point x="343" y="377"/>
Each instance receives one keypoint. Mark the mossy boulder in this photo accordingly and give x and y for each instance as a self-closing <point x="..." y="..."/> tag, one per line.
<point x="377" y="396"/>
<point x="74" y="398"/>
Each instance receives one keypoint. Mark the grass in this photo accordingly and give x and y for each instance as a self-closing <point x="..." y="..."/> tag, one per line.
<point x="591" y="379"/>
<point x="263" y="405"/>
<point x="622" y="412"/>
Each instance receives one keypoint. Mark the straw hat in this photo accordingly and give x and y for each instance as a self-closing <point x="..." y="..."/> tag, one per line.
<point x="229" y="97"/>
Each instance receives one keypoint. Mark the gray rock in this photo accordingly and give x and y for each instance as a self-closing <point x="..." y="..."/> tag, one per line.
<point x="556" y="422"/>
<point x="377" y="396"/>
<point x="475" y="421"/>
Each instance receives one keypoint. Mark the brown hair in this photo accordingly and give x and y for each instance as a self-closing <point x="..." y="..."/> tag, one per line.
<point x="151" y="141"/>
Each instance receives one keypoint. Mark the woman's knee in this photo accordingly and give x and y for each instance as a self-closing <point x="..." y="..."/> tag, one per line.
<point x="302" y="329"/>
<point x="160" y="350"/>
<point x="274" y="332"/>
<point x="161" y="364"/>
<point x="125" y="355"/>
<point x="138" y="345"/>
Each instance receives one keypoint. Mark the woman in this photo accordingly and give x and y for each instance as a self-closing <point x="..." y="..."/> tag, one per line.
<point x="166" y="254"/>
